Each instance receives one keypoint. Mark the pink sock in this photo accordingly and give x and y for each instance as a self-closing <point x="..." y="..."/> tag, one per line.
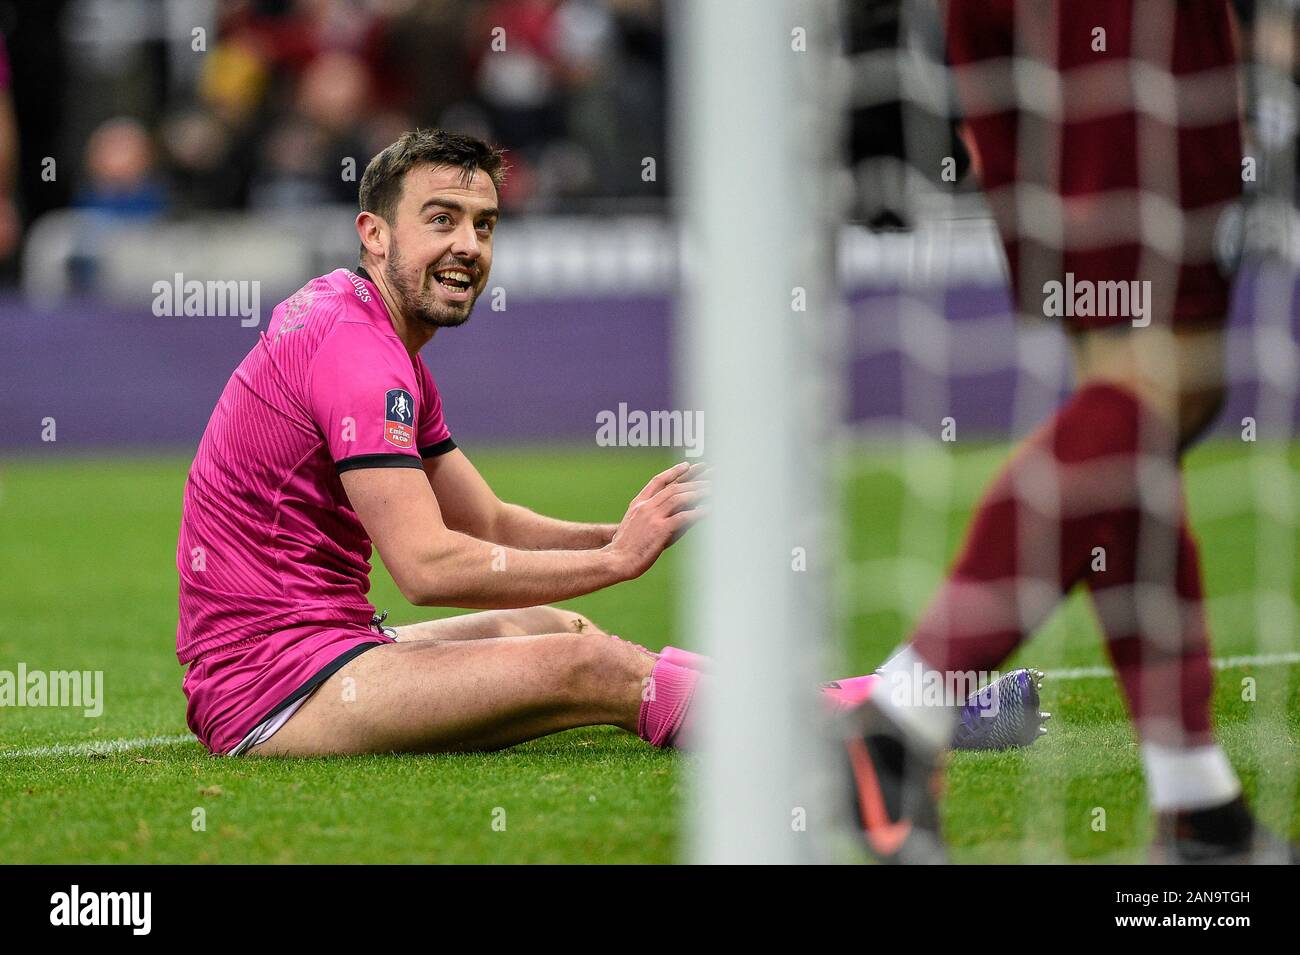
<point x="847" y="693"/>
<point x="685" y="658"/>
<point x="666" y="703"/>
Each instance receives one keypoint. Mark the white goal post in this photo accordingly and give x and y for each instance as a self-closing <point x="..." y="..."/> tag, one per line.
<point x="756" y="322"/>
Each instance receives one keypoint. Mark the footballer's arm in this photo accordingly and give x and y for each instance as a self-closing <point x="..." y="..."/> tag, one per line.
<point x="434" y="565"/>
<point x="470" y="506"/>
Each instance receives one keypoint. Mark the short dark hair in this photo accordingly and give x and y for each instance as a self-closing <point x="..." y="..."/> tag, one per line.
<point x="381" y="183"/>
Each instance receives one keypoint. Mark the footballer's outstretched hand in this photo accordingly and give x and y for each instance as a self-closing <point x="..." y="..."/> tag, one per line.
<point x="663" y="511"/>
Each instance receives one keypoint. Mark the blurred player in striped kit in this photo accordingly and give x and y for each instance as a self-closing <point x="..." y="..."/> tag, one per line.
<point x="1106" y="137"/>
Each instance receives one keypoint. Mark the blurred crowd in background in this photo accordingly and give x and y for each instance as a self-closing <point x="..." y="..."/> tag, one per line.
<point x="142" y="109"/>
<point x="154" y="108"/>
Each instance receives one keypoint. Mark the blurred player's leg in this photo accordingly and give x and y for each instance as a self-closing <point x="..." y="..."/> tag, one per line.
<point x="1096" y="493"/>
<point x="467" y="695"/>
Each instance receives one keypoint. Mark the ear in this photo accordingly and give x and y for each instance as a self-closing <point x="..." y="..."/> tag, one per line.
<point x="373" y="232"/>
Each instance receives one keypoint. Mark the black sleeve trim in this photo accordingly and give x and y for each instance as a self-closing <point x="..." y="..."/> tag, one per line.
<point x="378" y="461"/>
<point x="434" y="450"/>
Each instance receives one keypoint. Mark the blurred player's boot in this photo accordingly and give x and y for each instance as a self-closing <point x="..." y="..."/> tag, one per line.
<point x="1220" y="835"/>
<point x="893" y="781"/>
<point x="1003" y="714"/>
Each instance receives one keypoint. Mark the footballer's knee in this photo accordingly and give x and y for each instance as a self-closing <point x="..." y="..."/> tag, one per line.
<point x="606" y="678"/>
<point x="546" y="619"/>
<point x="599" y="669"/>
<point x="1177" y="374"/>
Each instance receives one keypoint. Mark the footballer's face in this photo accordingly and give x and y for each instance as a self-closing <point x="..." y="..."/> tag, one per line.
<point x="440" y="245"/>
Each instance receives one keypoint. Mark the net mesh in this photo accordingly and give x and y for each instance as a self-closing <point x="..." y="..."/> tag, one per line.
<point x="948" y="365"/>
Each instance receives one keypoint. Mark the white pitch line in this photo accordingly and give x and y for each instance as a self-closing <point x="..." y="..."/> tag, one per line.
<point x="109" y="746"/>
<point x="1221" y="663"/>
<point x="98" y="747"/>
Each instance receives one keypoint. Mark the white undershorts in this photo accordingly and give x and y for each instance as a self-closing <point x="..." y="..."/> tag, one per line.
<point x="271" y="725"/>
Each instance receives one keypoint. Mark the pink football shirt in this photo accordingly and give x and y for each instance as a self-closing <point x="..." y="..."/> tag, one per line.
<point x="268" y="540"/>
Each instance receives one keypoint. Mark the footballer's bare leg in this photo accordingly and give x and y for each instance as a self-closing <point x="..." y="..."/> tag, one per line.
<point x="523" y="622"/>
<point x="467" y="695"/>
<point x="1178" y="374"/>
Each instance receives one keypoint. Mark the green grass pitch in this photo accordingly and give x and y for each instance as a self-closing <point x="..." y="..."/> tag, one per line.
<point x="87" y="582"/>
